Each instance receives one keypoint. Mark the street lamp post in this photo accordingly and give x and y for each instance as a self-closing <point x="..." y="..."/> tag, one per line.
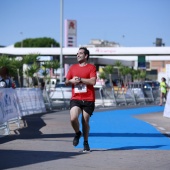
<point x="61" y="40"/>
<point x="21" y="39"/>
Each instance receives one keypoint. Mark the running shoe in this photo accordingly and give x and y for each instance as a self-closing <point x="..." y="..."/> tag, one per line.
<point x="76" y="138"/>
<point x="86" y="147"/>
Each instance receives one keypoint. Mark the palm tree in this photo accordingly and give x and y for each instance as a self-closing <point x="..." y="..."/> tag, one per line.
<point x="125" y="72"/>
<point x="29" y="60"/>
<point x="102" y="75"/>
<point x="135" y="74"/>
<point x="49" y="65"/>
<point x="30" y="71"/>
<point x="4" y="61"/>
<point x="142" y="74"/>
<point x="11" y="64"/>
<point x="118" y="66"/>
<point x="16" y="66"/>
<point x="109" y="71"/>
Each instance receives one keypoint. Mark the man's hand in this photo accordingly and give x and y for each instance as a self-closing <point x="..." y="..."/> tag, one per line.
<point x="76" y="80"/>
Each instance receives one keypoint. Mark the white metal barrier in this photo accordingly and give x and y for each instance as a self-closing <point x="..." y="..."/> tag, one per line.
<point x="59" y="97"/>
<point x="131" y="96"/>
<point x="16" y="103"/>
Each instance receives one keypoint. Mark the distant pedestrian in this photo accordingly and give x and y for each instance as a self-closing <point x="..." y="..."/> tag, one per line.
<point x="82" y="76"/>
<point x="163" y="89"/>
<point x="5" y="80"/>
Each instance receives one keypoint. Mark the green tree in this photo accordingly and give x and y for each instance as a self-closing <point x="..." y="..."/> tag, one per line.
<point x="30" y="67"/>
<point x="109" y="69"/>
<point x="5" y="61"/>
<point x="139" y="75"/>
<point x="10" y="63"/>
<point x="142" y="74"/>
<point x="30" y="59"/>
<point x="29" y="72"/>
<point x="102" y="75"/>
<point x="125" y="71"/>
<point x="49" y="65"/>
<point x="37" y="42"/>
<point x="118" y="66"/>
<point x="14" y="66"/>
<point x="135" y="74"/>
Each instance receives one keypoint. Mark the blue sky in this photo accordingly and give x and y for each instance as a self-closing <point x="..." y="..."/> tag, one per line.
<point x="132" y="23"/>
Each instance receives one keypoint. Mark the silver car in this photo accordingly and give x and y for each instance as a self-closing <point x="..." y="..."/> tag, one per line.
<point x="60" y="91"/>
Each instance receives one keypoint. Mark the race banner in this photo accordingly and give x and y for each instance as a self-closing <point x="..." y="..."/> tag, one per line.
<point x="9" y="107"/>
<point x="30" y="101"/>
<point x="166" y="112"/>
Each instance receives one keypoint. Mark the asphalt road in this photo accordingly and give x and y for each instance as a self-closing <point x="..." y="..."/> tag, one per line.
<point x="44" y="141"/>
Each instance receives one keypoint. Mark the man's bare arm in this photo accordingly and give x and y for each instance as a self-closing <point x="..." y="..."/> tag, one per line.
<point x="91" y="81"/>
<point x="76" y="80"/>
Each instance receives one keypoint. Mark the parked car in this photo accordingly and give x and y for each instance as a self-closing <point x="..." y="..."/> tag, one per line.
<point x="50" y="83"/>
<point x="61" y="91"/>
<point x="151" y="84"/>
<point x="118" y="82"/>
<point x="144" y="85"/>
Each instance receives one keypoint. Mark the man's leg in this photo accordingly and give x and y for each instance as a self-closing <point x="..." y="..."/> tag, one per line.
<point x="86" y="128"/>
<point x="74" y="114"/>
<point x="161" y="99"/>
<point x="85" y="125"/>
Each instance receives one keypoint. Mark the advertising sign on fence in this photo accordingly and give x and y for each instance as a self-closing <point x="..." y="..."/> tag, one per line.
<point x="9" y="107"/>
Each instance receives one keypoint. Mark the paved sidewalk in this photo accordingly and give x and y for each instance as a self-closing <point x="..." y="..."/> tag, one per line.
<point x="158" y="121"/>
<point x="45" y="142"/>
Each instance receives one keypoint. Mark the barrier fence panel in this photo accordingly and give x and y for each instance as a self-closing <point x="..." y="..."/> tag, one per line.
<point x="99" y="101"/>
<point x="156" y="95"/>
<point x="5" y="128"/>
<point x="139" y="96"/>
<point x="30" y="101"/>
<point x="129" y="97"/>
<point x="8" y="105"/>
<point x="9" y="109"/>
<point x="15" y="103"/>
<point x="60" y="97"/>
<point x="47" y="100"/>
<point x="143" y="90"/>
<point x="120" y="98"/>
<point x="148" y="94"/>
<point x="109" y="96"/>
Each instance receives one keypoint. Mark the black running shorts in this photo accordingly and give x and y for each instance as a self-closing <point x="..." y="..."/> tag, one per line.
<point x="87" y="106"/>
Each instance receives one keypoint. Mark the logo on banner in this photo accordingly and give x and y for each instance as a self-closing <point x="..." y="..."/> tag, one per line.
<point x="7" y="100"/>
<point x="71" y="28"/>
<point x="2" y="109"/>
<point x="72" y="25"/>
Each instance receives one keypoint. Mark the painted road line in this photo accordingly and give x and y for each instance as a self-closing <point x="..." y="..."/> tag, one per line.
<point x="161" y="128"/>
<point x="154" y="124"/>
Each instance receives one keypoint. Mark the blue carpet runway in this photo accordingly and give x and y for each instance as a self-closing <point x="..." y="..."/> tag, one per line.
<point x="119" y="130"/>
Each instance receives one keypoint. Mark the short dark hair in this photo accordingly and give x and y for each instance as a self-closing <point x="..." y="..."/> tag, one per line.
<point x="164" y="79"/>
<point x="86" y="51"/>
<point x="4" y="71"/>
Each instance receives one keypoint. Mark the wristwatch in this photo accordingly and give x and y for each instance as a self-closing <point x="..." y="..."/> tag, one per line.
<point x="79" y="78"/>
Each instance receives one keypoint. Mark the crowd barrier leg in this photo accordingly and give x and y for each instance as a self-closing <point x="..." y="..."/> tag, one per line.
<point x="16" y="121"/>
<point x="47" y="100"/>
<point x="5" y="127"/>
